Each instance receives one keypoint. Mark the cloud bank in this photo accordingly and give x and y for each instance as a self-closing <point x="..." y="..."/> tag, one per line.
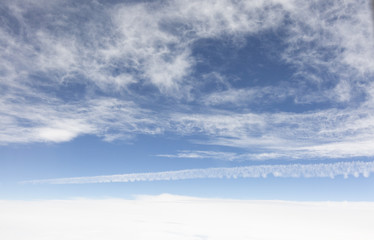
<point x="292" y="170"/>
<point x="177" y="217"/>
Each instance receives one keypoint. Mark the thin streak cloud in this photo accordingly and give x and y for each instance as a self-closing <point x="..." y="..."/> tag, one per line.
<point x="320" y="170"/>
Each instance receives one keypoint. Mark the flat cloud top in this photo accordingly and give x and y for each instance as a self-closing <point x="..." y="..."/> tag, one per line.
<point x="179" y="217"/>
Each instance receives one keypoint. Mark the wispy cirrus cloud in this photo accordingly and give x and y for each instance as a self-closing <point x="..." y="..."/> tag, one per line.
<point x="291" y="171"/>
<point x="227" y="156"/>
<point x="41" y="122"/>
<point x="327" y="133"/>
<point x="224" y="156"/>
<point x="116" y="70"/>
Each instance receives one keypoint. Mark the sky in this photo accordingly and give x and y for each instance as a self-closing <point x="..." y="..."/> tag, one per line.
<point x="216" y="119"/>
<point x="256" y="100"/>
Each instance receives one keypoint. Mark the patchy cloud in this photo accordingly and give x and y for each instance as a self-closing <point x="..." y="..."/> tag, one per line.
<point x="116" y="70"/>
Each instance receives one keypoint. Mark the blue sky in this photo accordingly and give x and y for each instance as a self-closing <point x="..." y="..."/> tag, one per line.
<point x="230" y="99"/>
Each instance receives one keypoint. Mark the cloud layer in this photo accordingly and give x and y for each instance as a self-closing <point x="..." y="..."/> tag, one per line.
<point x="177" y="217"/>
<point x="292" y="170"/>
<point x="116" y="70"/>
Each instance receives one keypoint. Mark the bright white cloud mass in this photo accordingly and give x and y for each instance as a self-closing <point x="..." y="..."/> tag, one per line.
<point x="117" y="70"/>
<point x="177" y="217"/>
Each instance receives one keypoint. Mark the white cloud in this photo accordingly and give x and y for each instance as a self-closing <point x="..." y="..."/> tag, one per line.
<point x="178" y="217"/>
<point x="292" y="170"/>
<point x="289" y="134"/>
<point x="55" y="135"/>
<point x="334" y="39"/>
<point x="342" y="149"/>
<point x="228" y="156"/>
<point x="130" y="54"/>
<point x="108" y="118"/>
<point x="150" y="41"/>
<point x="248" y="97"/>
<point x="224" y="156"/>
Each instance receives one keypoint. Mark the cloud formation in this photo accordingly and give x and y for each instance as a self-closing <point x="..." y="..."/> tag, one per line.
<point x="116" y="70"/>
<point x="288" y="171"/>
<point x="179" y="217"/>
<point x="224" y="156"/>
